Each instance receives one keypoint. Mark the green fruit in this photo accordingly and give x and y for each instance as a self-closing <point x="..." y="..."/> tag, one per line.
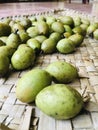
<point x="77" y="21"/>
<point x="17" y="27"/>
<point x="4" y="39"/>
<point x="68" y="29"/>
<point x="48" y="46"/>
<point x="50" y="20"/>
<point x="32" y="31"/>
<point x="23" y="36"/>
<point x="59" y="101"/>
<point x="84" y="27"/>
<point x="65" y="46"/>
<point x="67" y="20"/>
<point x="91" y="28"/>
<point x="2" y="43"/>
<point x="4" y="65"/>
<point x="43" y="28"/>
<point x="5" y="29"/>
<point x="13" y="40"/>
<point x="7" y="51"/>
<point x="34" y="44"/>
<point x="25" y="22"/>
<point x="77" y="39"/>
<point x="40" y="38"/>
<point x="79" y="30"/>
<point x="31" y="84"/>
<point x="95" y="34"/>
<point x="58" y="27"/>
<point x="62" y="72"/>
<point x="40" y="18"/>
<point x="23" y="58"/>
<point x="85" y="21"/>
<point x="56" y="36"/>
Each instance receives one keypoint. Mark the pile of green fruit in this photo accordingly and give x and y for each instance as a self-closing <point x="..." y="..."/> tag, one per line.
<point x="57" y="100"/>
<point x="24" y="38"/>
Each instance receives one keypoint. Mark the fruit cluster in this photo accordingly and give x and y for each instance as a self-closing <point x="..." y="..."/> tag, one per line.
<point x="23" y="38"/>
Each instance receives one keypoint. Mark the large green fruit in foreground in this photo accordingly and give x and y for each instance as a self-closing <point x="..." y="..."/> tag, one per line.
<point x="31" y="84"/>
<point x="4" y="65"/>
<point x="62" y="72"/>
<point x="59" y="101"/>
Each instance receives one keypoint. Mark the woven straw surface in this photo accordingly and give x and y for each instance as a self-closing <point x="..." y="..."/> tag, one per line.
<point x="20" y="116"/>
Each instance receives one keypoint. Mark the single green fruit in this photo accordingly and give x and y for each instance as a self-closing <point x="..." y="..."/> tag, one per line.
<point x="59" y="101"/>
<point x="95" y="34"/>
<point x="56" y="36"/>
<point x="13" y="40"/>
<point x="4" y="65"/>
<point x="77" y="21"/>
<point x="67" y="20"/>
<point x="32" y="31"/>
<point x="85" y="21"/>
<point x="23" y="58"/>
<point x="5" y="29"/>
<point x="23" y="36"/>
<point x="34" y="44"/>
<point x="17" y="27"/>
<point x="84" y="27"/>
<point x="43" y="28"/>
<point x="91" y="28"/>
<point x="50" y="20"/>
<point x="62" y="72"/>
<point x="40" y="38"/>
<point x="7" y="51"/>
<point x="25" y="22"/>
<point x="67" y="34"/>
<point x="48" y="46"/>
<point x="77" y="39"/>
<point x="40" y="18"/>
<point x="68" y="29"/>
<point x="65" y="46"/>
<point x="79" y="30"/>
<point x="31" y="84"/>
<point x="58" y="27"/>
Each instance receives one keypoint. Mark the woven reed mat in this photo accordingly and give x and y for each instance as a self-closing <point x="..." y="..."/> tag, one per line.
<point x="15" y="115"/>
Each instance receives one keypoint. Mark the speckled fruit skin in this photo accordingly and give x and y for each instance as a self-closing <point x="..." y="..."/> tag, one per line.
<point x="59" y="101"/>
<point x="31" y="84"/>
<point x="62" y="72"/>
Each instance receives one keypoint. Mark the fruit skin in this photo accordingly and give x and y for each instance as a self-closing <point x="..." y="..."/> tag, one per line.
<point x="31" y="84"/>
<point x="95" y="34"/>
<point x="65" y="46"/>
<point x="48" y="46"/>
<point x="23" y="58"/>
<point x="77" y="39"/>
<point x="5" y="29"/>
<point x="62" y="72"/>
<point x="4" y="65"/>
<point x="59" y="101"/>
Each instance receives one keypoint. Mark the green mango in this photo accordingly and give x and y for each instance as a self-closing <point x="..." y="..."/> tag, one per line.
<point x="13" y="40"/>
<point x="25" y="22"/>
<point x="65" y="46"/>
<point x="32" y="31"/>
<point x="23" y="58"/>
<point x="85" y="21"/>
<point x="67" y="20"/>
<point x="31" y="83"/>
<point x="59" y="101"/>
<point x="4" y="65"/>
<point x="50" y="20"/>
<point x="34" y="44"/>
<point x="58" y="27"/>
<point x="62" y="72"/>
<point x="91" y="28"/>
<point x="95" y="34"/>
<point x="68" y="29"/>
<point x="5" y="29"/>
<point x="41" y="38"/>
<point x="77" y="21"/>
<point x="23" y="36"/>
<point x="48" y="46"/>
<point x="43" y="28"/>
<point x="77" y="39"/>
<point x="79" y="30"/>
<point x="56" y="36"/>
<point x="7" y="51"/>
